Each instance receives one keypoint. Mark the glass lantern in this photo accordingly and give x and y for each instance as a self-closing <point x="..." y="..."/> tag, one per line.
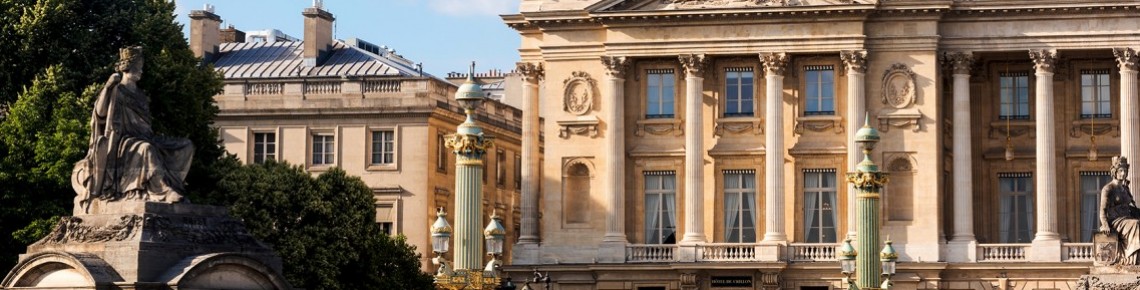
<point x="888" y="257"/>
<point x="495" y="235"/>
<point x="440" y="233"/>
<point x="846" y="257"/>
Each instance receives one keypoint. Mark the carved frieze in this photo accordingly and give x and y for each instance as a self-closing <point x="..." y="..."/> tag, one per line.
<point x="72" y="229"/>
<point x="584" y="125"/>
<point x="151" y="228"/>
<point x="902" y="118"/>
<point x="899" y="88"/>
<point x="818" y="124"/>
<point x="659" y="127"/>
<point x="578" y="98"/>
<point x="738" y="126"/>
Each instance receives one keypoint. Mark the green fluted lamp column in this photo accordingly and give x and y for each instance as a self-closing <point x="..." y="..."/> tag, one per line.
<point x="868" y="181"/>
<point x="469" y="145"/>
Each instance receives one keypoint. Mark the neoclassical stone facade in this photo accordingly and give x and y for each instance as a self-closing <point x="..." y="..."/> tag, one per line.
<point x="723" y="130"/>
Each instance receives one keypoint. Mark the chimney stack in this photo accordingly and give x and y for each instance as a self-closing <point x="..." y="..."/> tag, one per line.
<point x="205" y="32"/>
<point x="231" y="34"/>
<point x="318" y="33"/>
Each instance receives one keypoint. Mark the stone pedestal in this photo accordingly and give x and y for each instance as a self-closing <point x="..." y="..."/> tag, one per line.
<point x="1106" y="274"/>
<point x="147" y="245"/>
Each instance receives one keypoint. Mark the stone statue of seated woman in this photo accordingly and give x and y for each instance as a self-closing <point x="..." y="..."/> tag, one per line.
<point x="1119" y="218"/>
<point x="126" y="160"/>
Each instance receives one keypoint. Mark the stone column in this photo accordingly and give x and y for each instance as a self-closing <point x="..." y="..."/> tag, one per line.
<point x="1127" y="59"/>
<point x="614" y="96"/>
<point x="774" y="64"/>
<point x="856" y="64"/>
<point x="531" y="73"/>
<point x="963" y="245"/>
<point x="1046" y="244"/>
<point x="694" y="65"/>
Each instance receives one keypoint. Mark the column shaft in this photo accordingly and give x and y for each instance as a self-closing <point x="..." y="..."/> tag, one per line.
<point x="468" y="213"/>
<point x="530" y="153"/>
<point x="774" y="147"/>
<point x="615" y="165"/>
<point x="1046" y="150"/>
<point x="694" y="159"/>
<point x="1129" y="113"/>
<point x="869" y="266"/>
<point x="963" y="169"/>
<point x="856" y="65"/>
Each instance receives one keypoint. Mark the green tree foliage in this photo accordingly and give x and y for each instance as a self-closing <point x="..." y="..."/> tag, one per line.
<point x="56" y="55"/>
<point x="322" y="227"/>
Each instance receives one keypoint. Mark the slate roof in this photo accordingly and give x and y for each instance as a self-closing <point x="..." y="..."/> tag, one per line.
<point x="284" y="60"/>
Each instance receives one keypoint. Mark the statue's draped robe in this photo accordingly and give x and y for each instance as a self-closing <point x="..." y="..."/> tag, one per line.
<point x="1124" y="218"/>
<point x="136" y="163"/>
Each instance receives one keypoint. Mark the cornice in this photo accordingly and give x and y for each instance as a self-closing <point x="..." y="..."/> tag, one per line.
<point x="1050" y="10"/>
<point x="571" y="19"/>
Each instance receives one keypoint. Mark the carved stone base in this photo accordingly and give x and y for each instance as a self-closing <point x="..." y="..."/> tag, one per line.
<point x="146" y="243"/>
<point x="1109" y="282"/>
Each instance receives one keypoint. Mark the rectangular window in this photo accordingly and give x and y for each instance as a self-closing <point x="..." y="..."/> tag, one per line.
<point x="1091" y="184"/>
<point x="820" y="216"/>
<point x="738" y="91"/>
<point x="518" y="172"/>
<point x="441" y="153"/>
<point x="500" y="169"/>
<point x="264" y="147"/>
<point x="819" y="90"/>
<point x="660" y="207"/>
<point x="739" y="206"/>
<point x="1014" y="96"/>
<point x="323" y="147"/>
<point x="1095" y="95"/>
<point x="383" y="147"/>
<point x="659" y="94"/>
<point x="386" y="218"/>
<point x="1015" y="212"/>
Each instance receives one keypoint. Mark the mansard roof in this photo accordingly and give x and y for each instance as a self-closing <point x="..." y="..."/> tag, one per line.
<point x="257" y="60"/>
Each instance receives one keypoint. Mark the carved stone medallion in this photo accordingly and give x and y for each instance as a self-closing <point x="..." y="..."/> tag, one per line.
<point x="578" y="98"/>
<point x="899" y="89"/>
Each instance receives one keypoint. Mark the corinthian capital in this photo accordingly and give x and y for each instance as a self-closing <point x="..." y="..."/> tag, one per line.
<point x="1126" y="58"/>
<point x="531" y="72"/>
<point x="1044" y="59"/>
<point x="616" y="66"/>
<point x="695" y="64"/>
<point x="959" y="61"/>
<point x="854" y="60"/>
<point x="774" y="62"/>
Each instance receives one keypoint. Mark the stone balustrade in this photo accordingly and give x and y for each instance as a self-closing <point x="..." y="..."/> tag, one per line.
<point x="1077" y="252"/>
<point x="804" y="252"/>
<point x="1003" y="252"/>
<point x="635" y="253"/>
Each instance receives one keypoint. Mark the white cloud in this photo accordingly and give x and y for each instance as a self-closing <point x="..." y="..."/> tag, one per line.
<point x="474" y="7"/>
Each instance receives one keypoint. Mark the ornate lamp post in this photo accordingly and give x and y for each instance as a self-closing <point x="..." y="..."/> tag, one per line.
<point x="469" y="145"/>
<point x="868" y="181"/>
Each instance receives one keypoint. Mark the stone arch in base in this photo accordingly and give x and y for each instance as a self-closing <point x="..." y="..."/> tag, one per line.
<point x="53" y="269"/>
<point x="229" y="271"/>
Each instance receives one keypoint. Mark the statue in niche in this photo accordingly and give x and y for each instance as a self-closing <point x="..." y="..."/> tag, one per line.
<point x="1119" y="216"/>
<point x="125" y="159"/>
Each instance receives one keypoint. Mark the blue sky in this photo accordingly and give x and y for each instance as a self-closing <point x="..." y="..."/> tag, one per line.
<point x="444" y="35"/>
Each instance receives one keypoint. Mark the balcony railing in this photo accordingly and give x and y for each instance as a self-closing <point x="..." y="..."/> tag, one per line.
<point x="650" y="253"/>
<point x="1003" y="252"/>
<point x="727" y="253"/>
<point x="1077" y="252"/>
<point x="802" y="252"/>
